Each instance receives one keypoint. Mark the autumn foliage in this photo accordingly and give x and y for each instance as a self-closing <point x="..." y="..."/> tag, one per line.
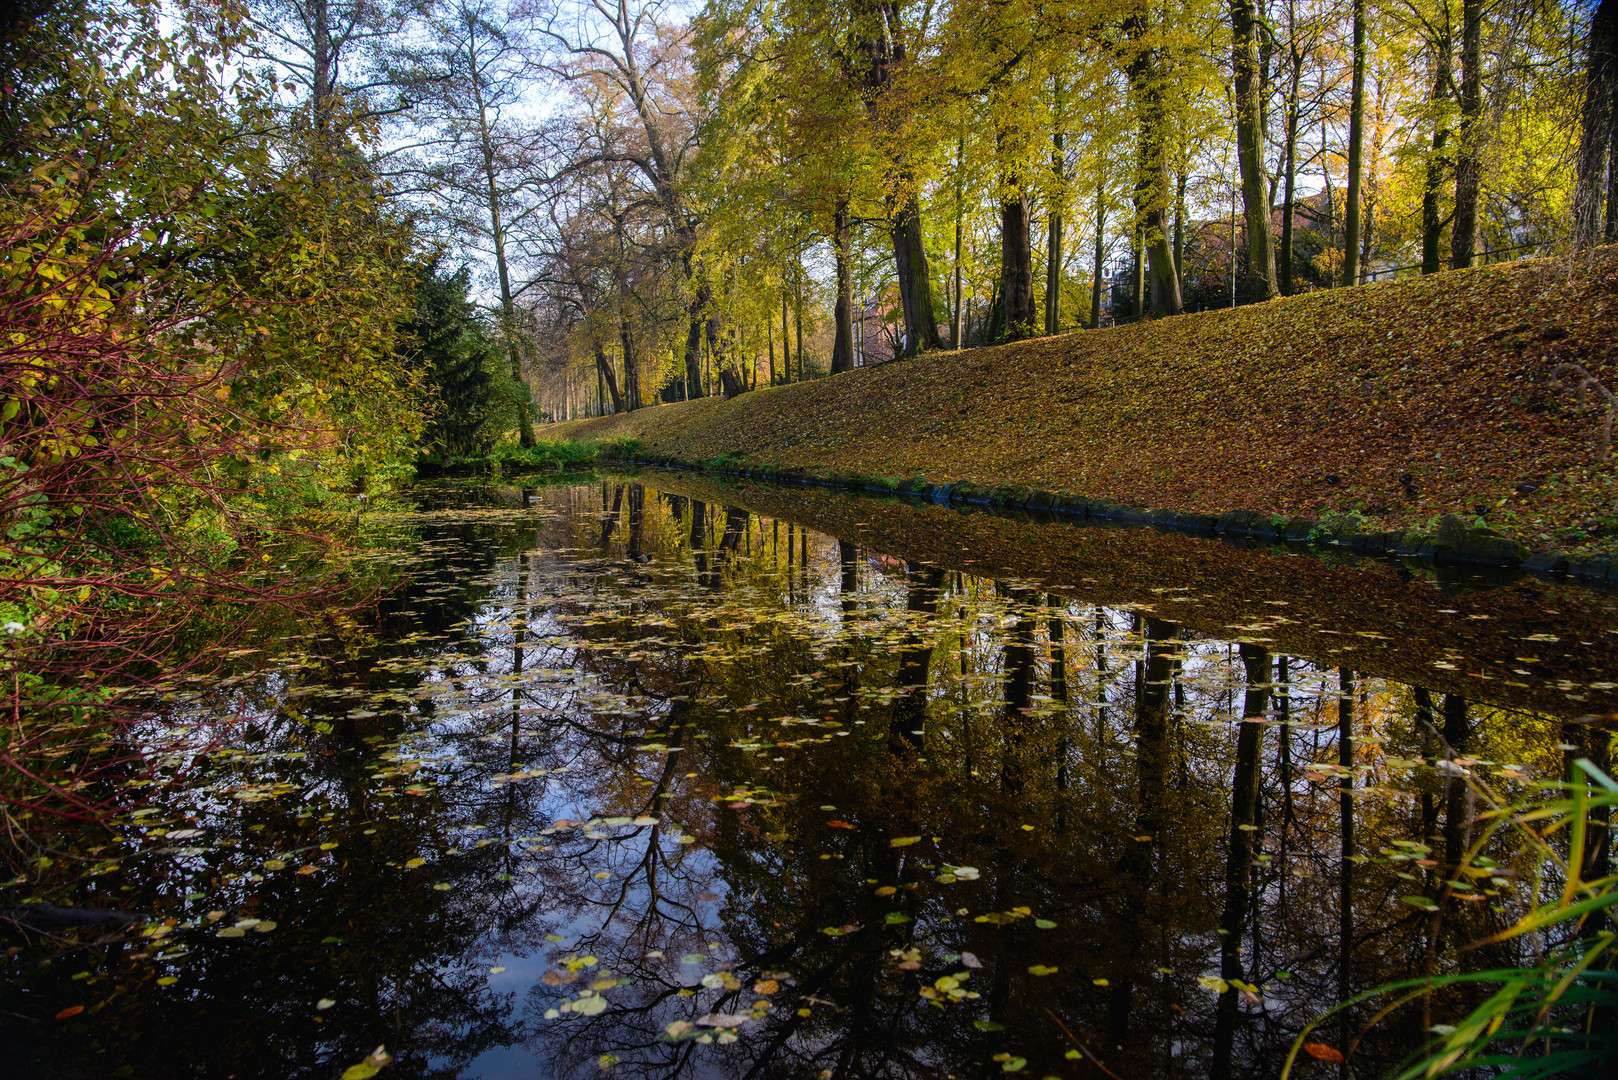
<point x="196" y="359"/>
<point x="1398" y="401"/>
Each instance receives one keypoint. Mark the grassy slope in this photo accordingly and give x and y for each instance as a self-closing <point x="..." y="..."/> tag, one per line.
<point x="1301" y="406"/>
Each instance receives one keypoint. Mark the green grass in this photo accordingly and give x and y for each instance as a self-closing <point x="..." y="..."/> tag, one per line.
<point x="511" y="458"/>
<point x="1552" y="1018"/>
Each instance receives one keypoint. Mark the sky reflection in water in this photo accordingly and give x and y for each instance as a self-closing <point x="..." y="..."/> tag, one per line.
<point x="622" y="781"/>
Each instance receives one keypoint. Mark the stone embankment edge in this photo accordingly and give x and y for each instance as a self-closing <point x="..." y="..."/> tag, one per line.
<point x="1455" y="542"/>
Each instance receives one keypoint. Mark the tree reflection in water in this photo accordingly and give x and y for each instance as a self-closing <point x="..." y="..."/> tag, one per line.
<point x="596" y="790"/>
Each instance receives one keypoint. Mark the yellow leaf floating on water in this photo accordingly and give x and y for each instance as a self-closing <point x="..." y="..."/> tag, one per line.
<point x="373" y="1064"/>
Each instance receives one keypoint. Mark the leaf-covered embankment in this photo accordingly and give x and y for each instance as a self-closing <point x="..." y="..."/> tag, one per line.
<point x="1398" y="402"/>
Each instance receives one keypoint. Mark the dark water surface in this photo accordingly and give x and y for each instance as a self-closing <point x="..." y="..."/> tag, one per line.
<point x="642" y="777"/>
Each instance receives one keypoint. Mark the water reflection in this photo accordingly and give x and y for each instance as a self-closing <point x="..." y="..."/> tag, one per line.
<point x="625" y="779"/>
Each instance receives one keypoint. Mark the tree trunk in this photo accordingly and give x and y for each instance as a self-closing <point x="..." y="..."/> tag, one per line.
<point x="1101" y="247"/>
<point x="604" y="370"/>
<point x="1181" y="182"/>
<point x="632" y="398"/>
<point x="1289" y="205"/>
<point x="718" y="355"/>
<point x="1016" y="263"/>
<point x="323" y="93"/>
<point x="1345" y="883"/>
<point x="1053" y="273"/>
<point x="1053" y="238"/>
<point x="1468" y="163"/>
<point x="1138" y="268"/>
<point x="1612" y="172"/>
<point x="786" y="347"/>
<point x="1432" y="224"/>
<point x="697" y="312"/>
<point x="1356" y="150"/>
<point x="797" y="317"/>
<point x="876" y="46"/>
<point x="1261" y="283"/>
<point x="955" y="316"/>
<point x="915" y="283"/>
<point x="1153" y="184"/>
<point x="769" y="338"/>
<point x="842" y="353"/>
<point x="497" y="233"/>
<point x="1160" y="256"/>
<point x="1244" y="812"/>
<point x="1018" y="664"/>
<point x="1596" y="125"/>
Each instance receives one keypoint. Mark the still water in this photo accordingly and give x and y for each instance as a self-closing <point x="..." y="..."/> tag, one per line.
<point x="651" y="776"/>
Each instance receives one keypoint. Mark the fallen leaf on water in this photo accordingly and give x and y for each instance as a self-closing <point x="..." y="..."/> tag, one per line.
<point x="1322" y="1052"/>
<point x="904" y="841"/>
<point x="368" y="1068"/>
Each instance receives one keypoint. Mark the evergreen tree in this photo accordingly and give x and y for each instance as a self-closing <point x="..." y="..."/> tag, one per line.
<point x="460" y="359"/>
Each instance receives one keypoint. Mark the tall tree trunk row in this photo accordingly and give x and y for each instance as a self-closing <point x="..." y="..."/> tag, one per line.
<point x="1261" y="283"/>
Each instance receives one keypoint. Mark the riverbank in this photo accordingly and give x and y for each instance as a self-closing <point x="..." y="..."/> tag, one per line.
<point x="1363" y="414"/>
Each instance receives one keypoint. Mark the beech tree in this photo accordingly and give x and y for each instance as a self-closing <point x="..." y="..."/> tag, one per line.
<point x="639" y="53"/>
<point x="763" y="154"/>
